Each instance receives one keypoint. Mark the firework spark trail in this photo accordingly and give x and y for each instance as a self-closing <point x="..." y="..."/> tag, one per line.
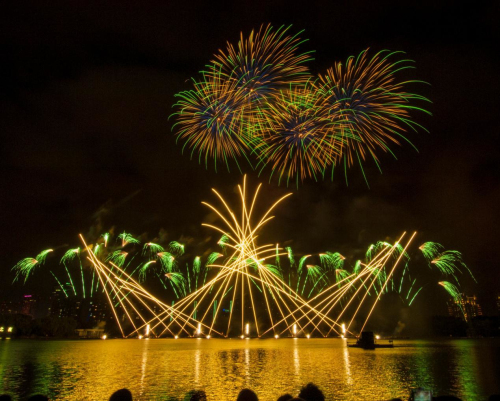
<point x="241" y="237"/>
<point x="335" y="297"/>
<point x="118" y="286"/>
<point x="176" y="248"/>
<point x="264" y="62"/>
<point x="297" y="140"/>
<point x="455" y="294"/>
<point x="246" y="279"/>
<point x="372" y="107"/>
<point x="298" y="303"/>
<point x="26" y="266"/>
<point x="258" y="99"/>
<point x="387" y="280"/>
<point x="211" y="120"/>
<point x="300" y="269"/>
<point x="449" y="262"/>
<point x="127" y="239"/>
<point x="60" y="285"/>
<point x="431" y="250"/>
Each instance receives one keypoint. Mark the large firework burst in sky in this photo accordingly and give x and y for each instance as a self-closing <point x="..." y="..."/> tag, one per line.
<point x="258" y="102"/>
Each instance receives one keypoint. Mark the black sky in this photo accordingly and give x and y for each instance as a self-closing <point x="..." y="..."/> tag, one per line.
<point x="86" y="90"/>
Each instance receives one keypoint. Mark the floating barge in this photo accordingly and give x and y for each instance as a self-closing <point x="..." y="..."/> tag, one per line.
<point x="367" y="341"/>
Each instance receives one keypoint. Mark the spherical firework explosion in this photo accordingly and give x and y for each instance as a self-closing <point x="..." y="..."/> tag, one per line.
<point x="298" y="140"/>
<point x="263" y="63"/>
<point x="370" y="106"/>
<point x="212" y="120"/>
<point x="257" y="101"/>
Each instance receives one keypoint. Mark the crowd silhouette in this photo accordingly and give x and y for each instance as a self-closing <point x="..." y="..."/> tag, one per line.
<point x="309" y="392"/>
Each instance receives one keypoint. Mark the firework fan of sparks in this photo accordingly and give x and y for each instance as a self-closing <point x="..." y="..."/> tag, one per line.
<point x="258" y="102"/>
<point x="248" y="289"/>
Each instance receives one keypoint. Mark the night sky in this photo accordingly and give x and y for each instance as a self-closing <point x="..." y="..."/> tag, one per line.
<point x="86" y="91"/>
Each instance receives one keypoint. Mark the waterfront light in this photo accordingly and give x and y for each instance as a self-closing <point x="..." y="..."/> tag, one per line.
<point x="198" y="331"/>
<point x="147" y="330"/>
<point x="176" y="337"/>
<point x="140" y="337"/>
<point x="295" y="329"/>
<point x="377" y="337"/>
<point x="104" y="337"/>
<point x="247" y="329"/>
<point x="276" y="336"/>
<point x="343" y="328"/>
<point x="242" y="336"/>
<point x="308" y="336"/>
<point x="208" y="337"/>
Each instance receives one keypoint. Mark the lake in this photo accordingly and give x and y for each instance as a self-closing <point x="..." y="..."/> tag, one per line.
<point x="168" y="368"/>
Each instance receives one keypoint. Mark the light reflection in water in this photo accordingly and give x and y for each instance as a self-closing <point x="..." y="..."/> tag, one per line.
<point x="144" y="364"/>
<point x="246" y="367"/>
<point x="296" y="359"/>
<point x="347" y="367"/>
<point x="158" y="369"/>
<point x="197" y="356"/>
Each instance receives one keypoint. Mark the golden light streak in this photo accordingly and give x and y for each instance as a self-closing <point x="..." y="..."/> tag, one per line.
<point x="246" y="282"/>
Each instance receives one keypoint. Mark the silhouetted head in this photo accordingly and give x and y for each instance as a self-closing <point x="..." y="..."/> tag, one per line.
<point x="285" y="397"/>
<point x="247" y="395"/>
<point x="196" y="395"/>
<point x="5" y="397"/>
<point x="311" y="392"/>
<point x="494" y="397"/>
<point x="38" y="397"/>
<point x="121" y="395"/>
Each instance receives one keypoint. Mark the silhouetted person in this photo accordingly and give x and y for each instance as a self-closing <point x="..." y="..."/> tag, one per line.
<point x="121" y="395"/>
<point x="494" y="397"/>
<point x="196" y="395"/>
<point x="247" y="395"/>
<point x="5" y="397"/>
<point x="311" y="392"/>
<point x="38" y="397"/>
<point x="285" y="397"/>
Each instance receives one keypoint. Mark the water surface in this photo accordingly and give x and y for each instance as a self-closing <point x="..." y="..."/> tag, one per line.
<point x="167" y="368"/>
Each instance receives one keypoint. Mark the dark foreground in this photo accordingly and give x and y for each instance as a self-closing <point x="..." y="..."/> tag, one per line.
<point x="310" y="392"/>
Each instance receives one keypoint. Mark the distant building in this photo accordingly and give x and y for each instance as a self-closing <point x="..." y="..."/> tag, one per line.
<point x="90" y="333"/>
<point x="466" y="309"/>
<point x="9" y="307"/>
<point x="28" y="305"/>
<point x="87" y="312"/>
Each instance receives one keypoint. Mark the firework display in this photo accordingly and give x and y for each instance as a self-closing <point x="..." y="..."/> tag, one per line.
<point x="247" y="289"/>
<point x="258" y="102"/>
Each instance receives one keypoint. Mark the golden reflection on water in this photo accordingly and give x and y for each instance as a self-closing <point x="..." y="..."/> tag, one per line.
<point x="168" y="368"/>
